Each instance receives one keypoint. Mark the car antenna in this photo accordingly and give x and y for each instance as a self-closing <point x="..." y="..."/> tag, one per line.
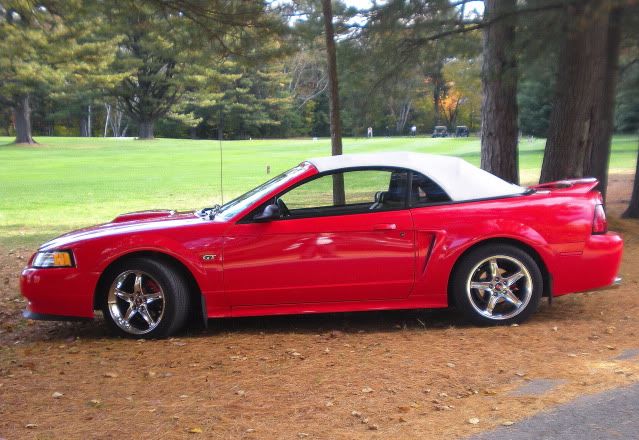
<point x="220" y="135"/>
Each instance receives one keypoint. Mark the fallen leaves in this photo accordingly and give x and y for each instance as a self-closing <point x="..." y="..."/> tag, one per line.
<point x="294" y="353"/>
<point x="110" y="375"/>
<point x="194" y="430"/>
<point x="473" y="420"/>
<point x="57" y="395"/>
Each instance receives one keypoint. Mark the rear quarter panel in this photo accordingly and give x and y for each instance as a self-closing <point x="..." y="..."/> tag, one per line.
<point x="553" y="225"/>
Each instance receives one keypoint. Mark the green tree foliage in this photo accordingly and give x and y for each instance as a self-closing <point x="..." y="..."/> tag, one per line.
<point x="253" y="102"/>
<point x="171" y="65"/>
<point x="534" y="96"/>
<point x="462" y="102"/>
<point x="190" y="68"/>
<point x="176" y="50"/>
<point x="49" y="47"/>
<point x="408" y="46"/>
<point x="627" y="103"/>
<point x="627" y="111"/>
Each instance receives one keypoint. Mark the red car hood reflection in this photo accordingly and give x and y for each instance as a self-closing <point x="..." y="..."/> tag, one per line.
<point x="132" y="222"/>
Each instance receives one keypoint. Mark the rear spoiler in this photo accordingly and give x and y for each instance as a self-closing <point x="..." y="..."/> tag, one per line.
<point x="569" y="186"/>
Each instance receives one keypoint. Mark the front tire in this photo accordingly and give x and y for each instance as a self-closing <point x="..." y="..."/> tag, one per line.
<point x="497" y="285"/>
<point x="145" y="298"/>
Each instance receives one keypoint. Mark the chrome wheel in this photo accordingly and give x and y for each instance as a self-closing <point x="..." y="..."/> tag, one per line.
<point x="499" y="287"/>
<point x="136" y="302"/>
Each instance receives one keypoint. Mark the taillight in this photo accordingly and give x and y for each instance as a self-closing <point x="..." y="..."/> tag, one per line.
<point x="599" y="223"/>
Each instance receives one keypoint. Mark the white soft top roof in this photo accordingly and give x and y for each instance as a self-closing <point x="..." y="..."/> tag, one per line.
<point x="460" y="180"/>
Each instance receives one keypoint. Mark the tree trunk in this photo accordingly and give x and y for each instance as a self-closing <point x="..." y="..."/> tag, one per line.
<point x="146" y="129"/>
<point x="603" y="122"/>
<point x="633" y="207"/>
<point x="499" y="129"/>
<point x="84" y="131"/>
<point x="573" y="113"/>
<point x="107" y="118"/>
<point x="22" y="117"/>
<point x="339" y="197"/>
<point x="437" y="97"/>
<point x="89" y="128"/>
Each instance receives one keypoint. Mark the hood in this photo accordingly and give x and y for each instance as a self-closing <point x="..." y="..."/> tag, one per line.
<point x="144" y="215"/>
<point x="133" y="222"/>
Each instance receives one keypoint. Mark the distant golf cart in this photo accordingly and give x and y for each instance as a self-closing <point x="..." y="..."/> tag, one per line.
<point x="440" y="131"/>
<point x="462" y="131"/>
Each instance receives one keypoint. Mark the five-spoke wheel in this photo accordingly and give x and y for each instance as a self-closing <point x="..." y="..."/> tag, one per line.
<point x="145" y="298"/>
<point x="497" y="284"/>
<point x="136" y="302"/>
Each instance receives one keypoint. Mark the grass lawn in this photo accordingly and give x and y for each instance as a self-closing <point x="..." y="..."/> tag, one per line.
<point x="67" y="183"/>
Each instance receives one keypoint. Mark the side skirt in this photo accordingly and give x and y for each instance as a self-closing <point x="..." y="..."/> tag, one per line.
<point x="335" y="307"/>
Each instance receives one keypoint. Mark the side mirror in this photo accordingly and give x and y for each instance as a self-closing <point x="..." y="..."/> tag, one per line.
<point x="271" y="212"/>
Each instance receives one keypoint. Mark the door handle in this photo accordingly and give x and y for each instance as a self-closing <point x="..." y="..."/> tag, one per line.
<point x="385" y="227"/>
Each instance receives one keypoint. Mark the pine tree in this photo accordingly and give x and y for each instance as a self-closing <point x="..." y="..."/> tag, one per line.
<point x="48" y="48"/>
<point x="177" y="48"/>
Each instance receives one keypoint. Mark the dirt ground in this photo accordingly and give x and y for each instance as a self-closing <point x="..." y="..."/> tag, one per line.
<point x="360" y="375"/>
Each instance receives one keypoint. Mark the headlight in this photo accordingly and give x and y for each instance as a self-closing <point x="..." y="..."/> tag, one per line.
<point x="53" y="259"/>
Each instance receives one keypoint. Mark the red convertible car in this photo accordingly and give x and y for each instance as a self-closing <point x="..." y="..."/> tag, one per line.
<point x="334" y="234"/>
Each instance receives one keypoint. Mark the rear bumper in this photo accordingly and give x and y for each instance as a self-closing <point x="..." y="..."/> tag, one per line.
<point x="596" y="267"/>
<point x="615" y="284"/>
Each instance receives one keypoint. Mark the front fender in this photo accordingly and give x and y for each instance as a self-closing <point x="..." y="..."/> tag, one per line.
<point x="106" y="254"/>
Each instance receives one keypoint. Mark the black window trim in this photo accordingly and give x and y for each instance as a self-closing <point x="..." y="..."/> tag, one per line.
<point x="248" y="218"/>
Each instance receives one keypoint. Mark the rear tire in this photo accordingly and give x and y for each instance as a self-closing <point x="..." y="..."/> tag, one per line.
<point x="145" y="298"/>
<point x="497" y="284"/>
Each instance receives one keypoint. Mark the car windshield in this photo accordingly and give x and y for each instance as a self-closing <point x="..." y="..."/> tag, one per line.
<point x="230" y="209"/>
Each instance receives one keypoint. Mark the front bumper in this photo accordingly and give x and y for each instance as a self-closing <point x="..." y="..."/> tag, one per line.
<point x="62" y="292"/>
<point x="42" y="317"/>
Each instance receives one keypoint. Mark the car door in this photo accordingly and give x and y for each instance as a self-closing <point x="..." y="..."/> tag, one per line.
<point x="328" y="246"/>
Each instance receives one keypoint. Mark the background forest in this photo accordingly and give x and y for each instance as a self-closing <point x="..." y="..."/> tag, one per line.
<point x="564" y="70"/>
<point x="187" y="69"/>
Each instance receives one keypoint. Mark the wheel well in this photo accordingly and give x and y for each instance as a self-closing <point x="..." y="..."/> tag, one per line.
<point x="198" y="309"/>
<point x="521" y="245"/>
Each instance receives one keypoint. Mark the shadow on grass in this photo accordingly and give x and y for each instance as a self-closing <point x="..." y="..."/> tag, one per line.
<point x="30" y="241"/>
<point x="17" y="236"/>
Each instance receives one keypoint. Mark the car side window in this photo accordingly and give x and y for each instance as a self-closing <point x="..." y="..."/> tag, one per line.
<point x="425" y="192"/>
<point x="367" y="190"/>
